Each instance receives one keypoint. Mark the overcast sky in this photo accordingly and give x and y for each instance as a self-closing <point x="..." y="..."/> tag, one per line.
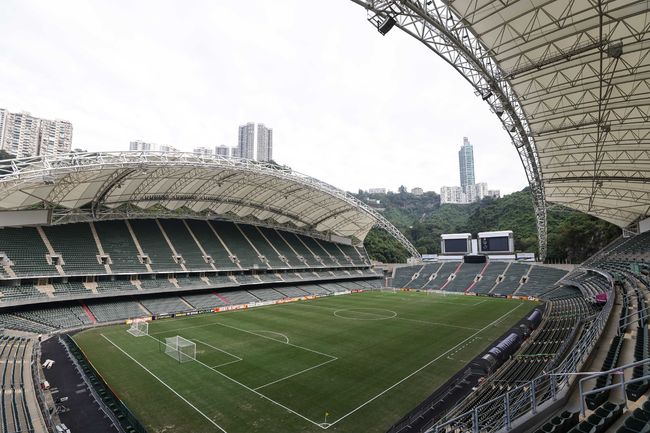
<point x="347" y="105"/>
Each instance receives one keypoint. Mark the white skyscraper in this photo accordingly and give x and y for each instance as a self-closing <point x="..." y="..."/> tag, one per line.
<point x="264" y="143"/>
<point x="22" y="135"/>
<point x="466" y="163"/>
<point x="246" y="141"/>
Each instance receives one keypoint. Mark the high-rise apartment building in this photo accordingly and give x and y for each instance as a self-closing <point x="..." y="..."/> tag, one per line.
<point x="55" y="137"/>
<point x="234" y="152"/>
<point x="246" y="141"/>
<point x="264" y="143"/>
<point x="22" y="135"/>
<point x="143" y="146"/>
<point x="222" y="150"/>
<point x="466" y="162"/>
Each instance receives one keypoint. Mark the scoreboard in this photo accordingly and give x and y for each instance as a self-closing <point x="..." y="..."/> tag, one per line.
<point x="457" y="243"/>
<point x="496" y="242"/>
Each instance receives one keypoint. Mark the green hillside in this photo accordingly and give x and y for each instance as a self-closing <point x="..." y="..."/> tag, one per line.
<point x="573" y="236"/>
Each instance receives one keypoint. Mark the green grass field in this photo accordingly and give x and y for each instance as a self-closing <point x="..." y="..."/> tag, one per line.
<point x="364" y="359"/>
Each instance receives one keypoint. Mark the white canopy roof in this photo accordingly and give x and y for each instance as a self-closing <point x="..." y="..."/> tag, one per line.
<point x="581" y="71"/>
<point x="569" y="81"/>
<point x="95" y="186"/>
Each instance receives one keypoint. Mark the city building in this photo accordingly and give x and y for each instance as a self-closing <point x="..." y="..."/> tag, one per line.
<point x="452" y="194"/>
<point x="246" y="141"/>
<point x="417" y="191"/>
<point x="22" y="135"/>
<point x="234" y="152"/>
<point x="376" y="190"/>
<point x="222" y="150"/>
<point x="466" y="163"/>
<point x="469" y="191"/>
<point x="3" y="121"/>
<point x="203" y="151"/>
<point x="143" y="146"/>
<point x="264" y="143"/>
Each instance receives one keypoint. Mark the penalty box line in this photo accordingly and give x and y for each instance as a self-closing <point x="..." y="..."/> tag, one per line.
<point x="245" y="386"/>
<point x="424" y="366"/>
<point x="164" y="384"/>
<point x="221" y="350"/>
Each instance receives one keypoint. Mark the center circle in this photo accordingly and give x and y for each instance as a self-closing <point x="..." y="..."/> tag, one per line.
<point x="365" y="313"/>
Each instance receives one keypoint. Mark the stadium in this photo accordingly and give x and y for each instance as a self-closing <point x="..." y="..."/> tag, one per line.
<point x="169" y="292"/>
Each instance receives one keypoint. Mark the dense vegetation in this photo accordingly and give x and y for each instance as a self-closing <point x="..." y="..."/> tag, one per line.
<point x="572" y="236"/>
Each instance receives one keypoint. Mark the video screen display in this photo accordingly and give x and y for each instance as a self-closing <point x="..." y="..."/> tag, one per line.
<point x="495" y="244"/>
<point x="455" y="245"/>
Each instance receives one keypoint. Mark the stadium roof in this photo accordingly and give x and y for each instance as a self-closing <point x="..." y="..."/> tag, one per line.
<point x="570" y="82"/>
<point x="97" y="186"/>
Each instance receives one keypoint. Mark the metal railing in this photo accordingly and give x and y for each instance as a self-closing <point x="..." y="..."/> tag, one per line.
<point x="620" y="371"/>
<point x="502" y="411"/>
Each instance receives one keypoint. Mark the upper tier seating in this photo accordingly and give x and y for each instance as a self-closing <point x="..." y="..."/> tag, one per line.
<point x="300" y="248"/>
<point x="27" y="252"/>
<point x="281" y="245"/>
<point x="238" y="245"/>
<point x="153" y="244"/>
<point x="118" y="244"/>
<point x="262" y="245"/>
<point x="313" y="245"/>
<point x="334" y="251"/>
<point x="213" y="247"/>
<point x="184" y="244"/>
<point x="76" y="244"/>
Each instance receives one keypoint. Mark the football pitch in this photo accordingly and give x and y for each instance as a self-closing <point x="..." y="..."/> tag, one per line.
<point x="352" y="363"/>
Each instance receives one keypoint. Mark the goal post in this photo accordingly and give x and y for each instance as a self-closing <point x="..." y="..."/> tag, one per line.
<point x="179" y="348"/>
<point x="139" y="328"/>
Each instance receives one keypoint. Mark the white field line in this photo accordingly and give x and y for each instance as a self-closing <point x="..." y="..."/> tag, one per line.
<point x="296" y="374"/>
<point x="164" y="384"/>
<point x="397" y="317"/>
<point x="251" y="389"/>
<point x="221" y="350"/>
<point x="286" y="339"/>
<point x="424" y="366"/>
<point x="275" y="339"/>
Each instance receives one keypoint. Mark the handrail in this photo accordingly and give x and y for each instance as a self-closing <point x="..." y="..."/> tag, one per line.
<point x="617" y="370"/>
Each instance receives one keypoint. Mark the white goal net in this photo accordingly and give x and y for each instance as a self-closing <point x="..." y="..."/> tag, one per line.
<point x="181" y="349"/>
<point x="139" y="328"/>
